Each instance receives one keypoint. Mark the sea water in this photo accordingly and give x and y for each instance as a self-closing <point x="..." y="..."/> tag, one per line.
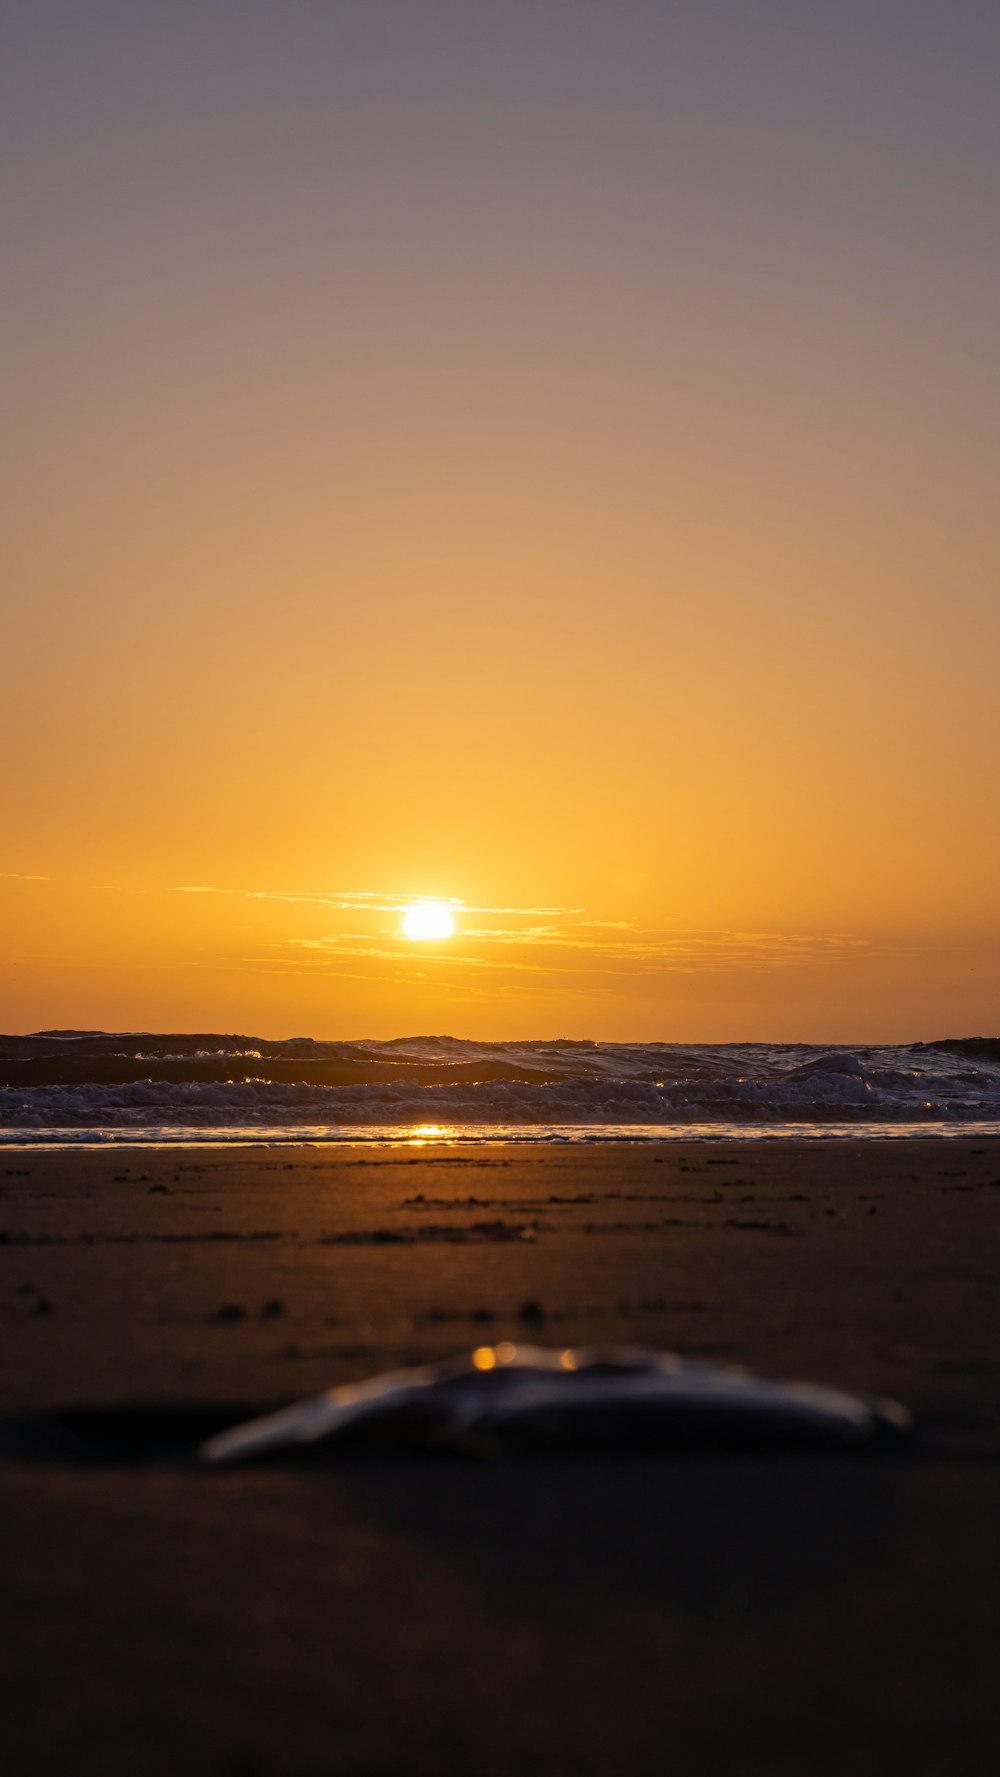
<point x="564" y="1090"/>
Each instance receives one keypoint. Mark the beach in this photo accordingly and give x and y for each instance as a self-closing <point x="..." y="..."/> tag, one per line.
<point x="499" y="955"/>
<point x="432" y="1615"/>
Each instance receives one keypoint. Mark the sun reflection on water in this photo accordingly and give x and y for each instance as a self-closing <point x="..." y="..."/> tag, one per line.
<point x="422" y="1133"/>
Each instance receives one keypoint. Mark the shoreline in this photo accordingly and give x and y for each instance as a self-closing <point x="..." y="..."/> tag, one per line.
<point x="65" y="1140"/>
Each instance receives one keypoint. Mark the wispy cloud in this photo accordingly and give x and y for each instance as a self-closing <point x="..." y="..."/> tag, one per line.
<point x="20" y="876"/>
<point x="633" y="952"/>
<point x="514" y="949"/>
<point x="373" y="901"/>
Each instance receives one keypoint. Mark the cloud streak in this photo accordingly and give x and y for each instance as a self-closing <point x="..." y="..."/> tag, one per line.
<point x="637" y="953"/>
<point x="373" y="901"/>
<point x="511" y="949"/>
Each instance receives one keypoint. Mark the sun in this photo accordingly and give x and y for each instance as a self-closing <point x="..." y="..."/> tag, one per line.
<point x="427" y="920"/>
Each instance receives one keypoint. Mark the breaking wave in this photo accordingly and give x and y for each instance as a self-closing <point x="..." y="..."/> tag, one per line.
<point x="234" y="1087"/>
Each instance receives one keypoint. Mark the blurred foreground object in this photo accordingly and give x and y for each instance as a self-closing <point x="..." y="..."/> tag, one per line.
<point x="516" y="1397"/>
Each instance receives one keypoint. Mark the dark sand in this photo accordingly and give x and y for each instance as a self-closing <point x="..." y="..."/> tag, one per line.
<point x="435" y="1617"/>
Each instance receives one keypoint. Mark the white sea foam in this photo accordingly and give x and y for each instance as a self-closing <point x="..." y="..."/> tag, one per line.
<point x="571" y="1085"/>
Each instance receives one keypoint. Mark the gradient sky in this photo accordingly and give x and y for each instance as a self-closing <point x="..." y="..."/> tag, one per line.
<point x="537" y="452"/>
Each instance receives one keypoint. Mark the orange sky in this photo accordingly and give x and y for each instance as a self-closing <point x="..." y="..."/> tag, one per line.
<point x="455" y="457"/>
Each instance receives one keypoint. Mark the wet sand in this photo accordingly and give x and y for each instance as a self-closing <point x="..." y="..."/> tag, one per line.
<point x="426" y="1616"/>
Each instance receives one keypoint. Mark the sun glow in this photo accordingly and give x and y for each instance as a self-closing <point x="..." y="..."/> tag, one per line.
<point x="427" y="920"/>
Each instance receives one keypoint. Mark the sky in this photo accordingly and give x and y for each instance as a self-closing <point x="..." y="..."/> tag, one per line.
<point x="540" y="455"/>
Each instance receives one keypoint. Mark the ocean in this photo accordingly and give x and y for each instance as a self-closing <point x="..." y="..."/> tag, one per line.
<point x="75" y="1088"/>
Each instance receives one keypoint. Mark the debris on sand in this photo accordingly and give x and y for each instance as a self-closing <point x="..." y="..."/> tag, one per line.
<point x="514" y="1397"/>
